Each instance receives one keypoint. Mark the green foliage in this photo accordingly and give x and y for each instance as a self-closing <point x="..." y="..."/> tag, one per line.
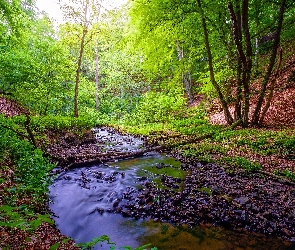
<point x="145" y="129"/>
<point x="31" y="168"/>
<point x="37" y="70"/>
<point x="157" y="107"/>
<point x="41" y="123"/>
<point x="22" y="218"/>
<point x="286" y="146"/>
<point x="91" y="244"/>
<point x="14" y="18"/>
<point x="169" y="168"/>
<point x="28" y="159"/>
<point x="287" y="173"/>
<point x="263" y="142"/>
<point x="240" y="162"/>
<point x="64" y="122"/>
<point x="206" y="147"/>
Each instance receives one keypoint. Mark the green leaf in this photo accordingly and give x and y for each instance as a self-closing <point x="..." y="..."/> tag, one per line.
<point x="55" y="246"/>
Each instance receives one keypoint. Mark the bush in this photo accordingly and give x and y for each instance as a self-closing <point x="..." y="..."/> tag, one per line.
<point x="157" y="107"/>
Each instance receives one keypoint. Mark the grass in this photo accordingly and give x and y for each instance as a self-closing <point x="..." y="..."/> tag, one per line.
<point x="239" y="148"/>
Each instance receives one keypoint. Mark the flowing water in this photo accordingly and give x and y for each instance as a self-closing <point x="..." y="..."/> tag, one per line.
<point x="85" y="203"/>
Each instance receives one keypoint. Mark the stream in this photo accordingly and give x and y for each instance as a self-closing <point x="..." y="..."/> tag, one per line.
<point x="93" y="200"/>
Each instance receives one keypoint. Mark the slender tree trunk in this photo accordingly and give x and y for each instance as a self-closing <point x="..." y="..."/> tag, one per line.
<point x="186" y="77"/>
<point x="97" y="77"/>
<point x="248" y="68"/>
<point x="272" y="85"/>
<point x="29" y="130"/>
<point x="256" y="114"/>
<point x="240" y="26"/>
<point x="188" y="86"/>
<point x="238" y="104"/>
<point x="78" y="72"/>
<point x="81" y="52"/>
<point x="224" y="104"/>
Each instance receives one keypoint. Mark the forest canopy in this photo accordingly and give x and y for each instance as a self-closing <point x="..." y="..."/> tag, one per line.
<point x="147" y="58"/>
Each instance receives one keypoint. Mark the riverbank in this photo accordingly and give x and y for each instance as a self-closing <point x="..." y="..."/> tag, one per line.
<point x="221" y="195"/>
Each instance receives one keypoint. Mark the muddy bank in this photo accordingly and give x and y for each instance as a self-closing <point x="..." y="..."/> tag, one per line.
<point x="209" y="194"/>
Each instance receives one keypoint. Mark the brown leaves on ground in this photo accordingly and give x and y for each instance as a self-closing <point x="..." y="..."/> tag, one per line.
<point x="44" y="237"/>
<point x="9" y="107"/>
<point x="281" y="112"/>
<point x="270" y="163"/>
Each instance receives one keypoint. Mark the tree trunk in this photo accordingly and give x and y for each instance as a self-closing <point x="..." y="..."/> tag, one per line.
<point x="272" y="85"/>
<point x="81" y="52"/>
<point x="238" y="104"/>
<point x="187" y="80"/>
<point x="186" y="77"/>
<point x="97" y="77"/>
<point x="256" y="114"/>
<point x="78" y="72"/>
<point x="240" y="26"/>
<point x="224" y="104"/>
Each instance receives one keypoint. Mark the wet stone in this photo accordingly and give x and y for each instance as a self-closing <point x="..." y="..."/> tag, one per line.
<point x="242" y="200"/>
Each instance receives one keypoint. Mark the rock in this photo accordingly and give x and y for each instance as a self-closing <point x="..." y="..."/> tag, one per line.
<point x="267" y="215"/>
<point x="242" y="200"/>
<point x="160" y="165"/>
<point x="116" y="203"/>
<point x="269" y="230"/>
<point x="216" y="190"/>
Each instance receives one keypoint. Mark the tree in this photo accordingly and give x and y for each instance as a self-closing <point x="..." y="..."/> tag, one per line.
<point x="256" y="118"/>
<point x="163" y="34"/>
<point x="229" y="31"/>
<point x="36" y="69"/>
<point x="83" y="13"/>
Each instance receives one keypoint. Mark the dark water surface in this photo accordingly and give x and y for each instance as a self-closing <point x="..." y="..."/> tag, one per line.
<point x="85" y="202"/>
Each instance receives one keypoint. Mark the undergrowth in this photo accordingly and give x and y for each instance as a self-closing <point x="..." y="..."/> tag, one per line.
<point x="234" y="148"/>
<point x="25" y="180"/>
<point x="24" y="171"/>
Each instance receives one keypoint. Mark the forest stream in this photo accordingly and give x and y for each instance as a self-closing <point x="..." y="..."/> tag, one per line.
<point x="157" y="199"/>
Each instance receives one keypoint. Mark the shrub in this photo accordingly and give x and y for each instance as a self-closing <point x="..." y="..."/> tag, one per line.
<point x="156" y="107"/>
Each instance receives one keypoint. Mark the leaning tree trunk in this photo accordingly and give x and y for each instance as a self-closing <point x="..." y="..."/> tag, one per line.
<point x="256" y="114"/>
<point x="272" y="85"/>
<point x="224" y="104"/>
